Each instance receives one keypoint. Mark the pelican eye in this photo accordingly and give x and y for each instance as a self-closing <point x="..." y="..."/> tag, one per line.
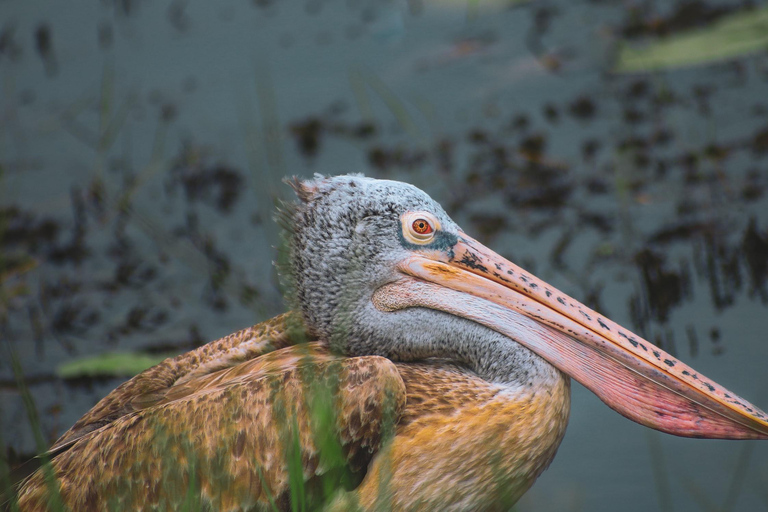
<point x="419" y="227"/>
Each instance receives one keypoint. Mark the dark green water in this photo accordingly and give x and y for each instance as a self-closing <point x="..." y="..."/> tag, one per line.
<point x="141" y="146"/>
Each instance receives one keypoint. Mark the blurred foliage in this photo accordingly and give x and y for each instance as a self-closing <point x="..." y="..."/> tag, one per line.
<point x="731" y="36"/>
<point x="113" y="364"/>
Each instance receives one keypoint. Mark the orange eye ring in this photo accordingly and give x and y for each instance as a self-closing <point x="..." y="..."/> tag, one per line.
<point x="422" y="226"/>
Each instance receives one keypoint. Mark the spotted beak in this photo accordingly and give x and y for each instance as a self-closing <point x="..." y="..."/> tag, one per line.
<point x="629" y="374"/>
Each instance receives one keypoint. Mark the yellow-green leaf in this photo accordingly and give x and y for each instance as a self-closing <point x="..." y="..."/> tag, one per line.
<point x="112" y="364"/>
<point x="732" y="36"/>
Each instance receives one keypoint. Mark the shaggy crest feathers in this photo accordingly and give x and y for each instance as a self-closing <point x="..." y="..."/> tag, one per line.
<point x="307" y="190"/>
<point x="288" y="211"/>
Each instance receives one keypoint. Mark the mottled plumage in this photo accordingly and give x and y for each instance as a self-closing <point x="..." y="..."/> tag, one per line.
<point x="463" y="443"/>
<point x="239" y="434"/>
<point x="230" y="436"/>
<point x="438" y="380"/>
<point x="151" y="386"/>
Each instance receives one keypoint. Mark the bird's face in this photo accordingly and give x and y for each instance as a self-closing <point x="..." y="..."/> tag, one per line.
<point x="380" y="268"/>
<point x="349" y="234"/>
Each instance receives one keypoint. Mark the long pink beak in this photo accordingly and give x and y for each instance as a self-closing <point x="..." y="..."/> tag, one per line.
<point x="629" y="374"/>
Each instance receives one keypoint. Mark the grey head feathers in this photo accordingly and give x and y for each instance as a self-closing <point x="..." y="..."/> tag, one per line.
<point x="345" y="243"/>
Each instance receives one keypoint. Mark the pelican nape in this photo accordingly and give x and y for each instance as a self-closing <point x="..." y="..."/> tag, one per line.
<point x="445" y="368"/>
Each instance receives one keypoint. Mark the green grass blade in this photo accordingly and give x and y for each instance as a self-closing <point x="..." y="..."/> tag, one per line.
<point x="55" y="502"/>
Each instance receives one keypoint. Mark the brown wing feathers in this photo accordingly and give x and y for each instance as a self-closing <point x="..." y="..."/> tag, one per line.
<point x="229" y="426"/>
<point x="234" y="436"/>
<point x="150" y="386"/>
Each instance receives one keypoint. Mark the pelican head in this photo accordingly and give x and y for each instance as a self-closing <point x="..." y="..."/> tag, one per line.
<point x="353" y="233"/>
<point x="379" y="268"/>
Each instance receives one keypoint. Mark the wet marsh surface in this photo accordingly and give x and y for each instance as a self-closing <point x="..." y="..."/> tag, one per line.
<point x="142" y="148"/>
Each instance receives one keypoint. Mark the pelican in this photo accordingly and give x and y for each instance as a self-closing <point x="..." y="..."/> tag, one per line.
<point x="419" y="370"/>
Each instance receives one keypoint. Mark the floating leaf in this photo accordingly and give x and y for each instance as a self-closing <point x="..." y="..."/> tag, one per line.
<point x="113" y="364"/>
<point x="732" y="36"/>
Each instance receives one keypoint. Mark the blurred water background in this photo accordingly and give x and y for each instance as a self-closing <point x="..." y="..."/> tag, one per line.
<point x="616" y="148"/>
